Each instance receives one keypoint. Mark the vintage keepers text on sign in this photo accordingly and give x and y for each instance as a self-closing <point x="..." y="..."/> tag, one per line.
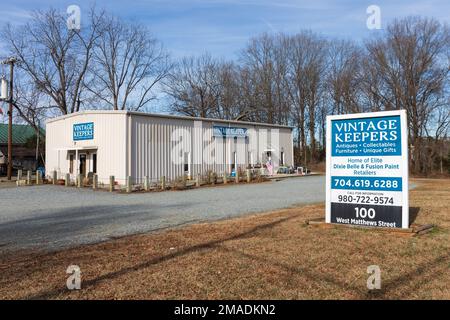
<point x="367" y="169"/>
<point x="83" y="131"/>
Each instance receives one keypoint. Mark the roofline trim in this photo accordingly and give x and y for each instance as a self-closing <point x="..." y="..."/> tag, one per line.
<point x="167" y="116"/>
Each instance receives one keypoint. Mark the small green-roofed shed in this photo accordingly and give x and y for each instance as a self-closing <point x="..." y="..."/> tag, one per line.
<point x="20" y="133"/>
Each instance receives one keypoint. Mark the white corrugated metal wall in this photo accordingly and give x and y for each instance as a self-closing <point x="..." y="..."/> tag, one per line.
<point x="109" y="143"/>
<point x="162" y="146"/>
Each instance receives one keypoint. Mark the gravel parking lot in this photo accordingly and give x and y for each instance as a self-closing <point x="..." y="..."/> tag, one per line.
<point x="55" y="217"/>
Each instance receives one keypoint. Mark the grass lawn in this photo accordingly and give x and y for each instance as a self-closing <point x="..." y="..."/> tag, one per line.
<point x="265" y="256"/>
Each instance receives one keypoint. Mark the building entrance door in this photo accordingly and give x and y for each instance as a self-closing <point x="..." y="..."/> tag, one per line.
<point x="83" y="164"/>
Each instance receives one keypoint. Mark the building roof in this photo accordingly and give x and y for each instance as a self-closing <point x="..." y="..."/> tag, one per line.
<point x="168" y="116"/>
<point x="20" y="133"/>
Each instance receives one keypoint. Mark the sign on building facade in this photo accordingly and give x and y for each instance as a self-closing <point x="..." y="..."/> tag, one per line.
<point x="83" y="131"/>
<point x="367" y="169"/>
<point x="229" y="132"/>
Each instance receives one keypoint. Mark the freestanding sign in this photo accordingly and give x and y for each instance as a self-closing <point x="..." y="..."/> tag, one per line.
<point x="367" y="169"/>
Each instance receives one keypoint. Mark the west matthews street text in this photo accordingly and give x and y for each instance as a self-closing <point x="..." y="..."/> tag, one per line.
<point x="363" y="222"/>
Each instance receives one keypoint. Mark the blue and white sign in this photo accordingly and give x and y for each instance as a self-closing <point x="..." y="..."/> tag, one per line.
<point x="229" y="132"/>
<point x="83" y="131"/>
<point x="367" y="169"/>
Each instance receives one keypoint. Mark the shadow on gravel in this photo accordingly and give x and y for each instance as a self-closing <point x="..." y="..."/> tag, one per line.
<point x="71" y="222"/>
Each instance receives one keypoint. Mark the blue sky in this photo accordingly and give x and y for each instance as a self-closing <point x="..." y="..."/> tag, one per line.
<point x="223" y="27"/>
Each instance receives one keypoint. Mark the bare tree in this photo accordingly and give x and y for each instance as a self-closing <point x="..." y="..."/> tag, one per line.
<point x="306" y="83"/>
<point x="194" y="86"/>
<point x="315" y="78"/>
<point x="411" y="65"/>
<point x="249" y="101"/>
<point x="54" y="58"/>
<point x="343" y="77"/>
<point x="128" y="64"/>
<point x="29" y="103"/>
<point x="229" y="104"/>
<point x="259" y="60"/>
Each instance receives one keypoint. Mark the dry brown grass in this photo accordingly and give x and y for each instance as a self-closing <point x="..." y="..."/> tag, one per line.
<point x="266" y="256"/>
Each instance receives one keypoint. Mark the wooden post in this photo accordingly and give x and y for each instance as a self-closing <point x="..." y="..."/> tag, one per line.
<point x="197" y="180"/>
<point x="249" y="176"/>
<point x="95" y="181"/>
<point x="225" y="178"/>
<point x="79" y="180"/>
<point x="163" y="182"/>
<point x="210" y="177"/>
<point x="184" y="180"/>
<point x="128" y="188"/>
<point x="54" y="176"/>
<point x="67" y="181"/>
<point x="111" y="183"/>
<point x="38" y="177"/>
<point x="237" y="175"/>
<point x="28" y="177"/>
<point x="146" y="183"/>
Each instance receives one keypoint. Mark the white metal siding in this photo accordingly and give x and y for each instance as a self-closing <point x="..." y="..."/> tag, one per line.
<point x="109" y="136"/>
<point x="159" y="145"/>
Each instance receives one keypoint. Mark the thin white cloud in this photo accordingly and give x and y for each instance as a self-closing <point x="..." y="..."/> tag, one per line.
<point x="13" y="14"/>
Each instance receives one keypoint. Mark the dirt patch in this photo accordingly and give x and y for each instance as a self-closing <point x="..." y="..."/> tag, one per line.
<point x="265" y="256"/>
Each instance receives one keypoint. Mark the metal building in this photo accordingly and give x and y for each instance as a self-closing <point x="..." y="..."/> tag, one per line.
<point x="135" y="144"/>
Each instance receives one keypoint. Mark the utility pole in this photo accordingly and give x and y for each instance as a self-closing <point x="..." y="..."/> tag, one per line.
<point x="11" y="87"/>
<point x="11" y="61"/>
<point x="37" y="141"/>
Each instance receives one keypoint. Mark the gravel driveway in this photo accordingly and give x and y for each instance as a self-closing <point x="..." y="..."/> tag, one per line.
<point x="53" y="217"/>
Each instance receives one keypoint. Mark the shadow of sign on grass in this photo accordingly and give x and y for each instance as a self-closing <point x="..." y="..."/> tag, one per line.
<point x="413" y="213"/>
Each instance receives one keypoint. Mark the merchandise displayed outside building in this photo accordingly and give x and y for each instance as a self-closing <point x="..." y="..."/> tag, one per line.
<point x="138" y="145"/>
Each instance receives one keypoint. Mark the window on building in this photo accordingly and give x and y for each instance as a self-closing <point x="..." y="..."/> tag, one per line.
<point x="94" y="163"/>
<point x="234" y="160"/>
<point x="186" y="162"/>
<point x="71" y="163"/>
<point x="233" y="164"/>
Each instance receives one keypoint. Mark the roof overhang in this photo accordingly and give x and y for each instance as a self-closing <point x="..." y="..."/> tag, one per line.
<point x="74" y="148"/>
